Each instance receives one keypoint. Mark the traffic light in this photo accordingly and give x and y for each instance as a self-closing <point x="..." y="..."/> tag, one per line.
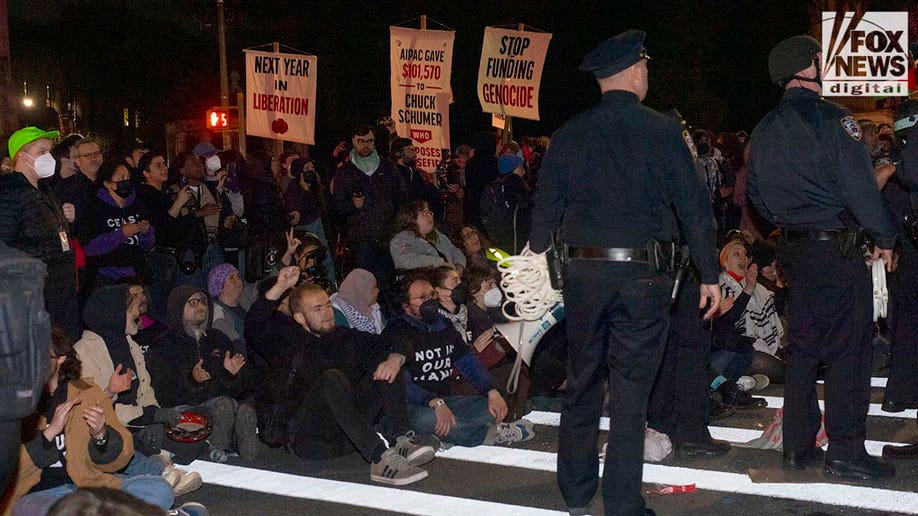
<point x="221" y="119"/>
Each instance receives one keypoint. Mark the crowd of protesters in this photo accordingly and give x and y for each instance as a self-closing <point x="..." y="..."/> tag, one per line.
<point x="328" y="303"/>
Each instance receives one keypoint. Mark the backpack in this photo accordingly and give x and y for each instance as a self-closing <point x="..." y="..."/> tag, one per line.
<point x="25" y="333"/>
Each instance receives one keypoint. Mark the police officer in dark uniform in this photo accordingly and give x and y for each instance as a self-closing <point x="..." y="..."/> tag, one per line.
<point x="902" y="192"/>
<point x="810" y="175"/>
<point x="607" y="183"/>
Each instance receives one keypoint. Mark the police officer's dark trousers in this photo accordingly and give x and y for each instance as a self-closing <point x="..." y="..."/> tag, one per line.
<point x="830" y="320"/>
<point x="679" y="403"/>
<point x="617" y="319"/>
<point x="902" y="387"/>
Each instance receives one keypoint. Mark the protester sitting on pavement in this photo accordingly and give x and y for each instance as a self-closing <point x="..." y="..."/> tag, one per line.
<point x="473" y="245"/>
<point x="417" y="243"/>
<point x="434" y="348"/>
<point x="347" y="389"/>
<point x="82" y="443"/>
<point x="271" y="334"/>
<point x="110" y="356"/>
<point x="355" y="303"/>
<point x="225" y="288"/>
<point x="116" y="232"/>
<point x="746" y="316"/>
<point x="147" y="327"/>
<point x="193" y="366"/>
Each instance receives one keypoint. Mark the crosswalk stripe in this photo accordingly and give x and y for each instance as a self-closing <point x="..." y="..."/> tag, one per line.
<point x="833" y="494"/>
<point x="350" y="493"/>
<point x="777" y="402"/>
<point x="733" y="435"/>
<point x="876" y="381"/>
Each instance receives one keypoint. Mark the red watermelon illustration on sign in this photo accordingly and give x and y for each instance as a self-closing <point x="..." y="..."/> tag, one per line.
<point x="279" y="126"/>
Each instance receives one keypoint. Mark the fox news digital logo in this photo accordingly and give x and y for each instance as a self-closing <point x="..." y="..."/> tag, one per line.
<point x="865" y="54"/>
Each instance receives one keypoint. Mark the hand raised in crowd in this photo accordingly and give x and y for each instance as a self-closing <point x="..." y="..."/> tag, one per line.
<point x="59" y="419"/>
<point x="710" y="298"/>
<point x="292" y="244"/>
<point x="446" y="421"/>
<point x="752" y="275"/>
<point x="69" y="212"/>
<point x="726" y="304"/>
<point x="221" y="179"/>
<point x="144" y="226"/>
<point x="200" y="374"/>
<point x="95" y="419"/>
<point x="497" y="407"/>
<point x="120" y="382"/>
<point x="207" y="210"/>
<point x="387" y="370"/>
<point x="286" y="278"/>
<point x="483" y="341"/>
<point x="130" y="230"/>
<point x="233" y="363"/>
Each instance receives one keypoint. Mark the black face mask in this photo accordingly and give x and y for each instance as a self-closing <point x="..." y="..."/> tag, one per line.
<point x="459" y="295"/>
<point x="124" y="188"/>
<point x="430" y="311"/>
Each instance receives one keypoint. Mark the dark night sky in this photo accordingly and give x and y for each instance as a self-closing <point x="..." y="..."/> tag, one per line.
<point x="161" y="55"/>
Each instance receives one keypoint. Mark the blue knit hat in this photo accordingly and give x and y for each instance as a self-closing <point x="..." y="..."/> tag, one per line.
<point x="508" y="163"/>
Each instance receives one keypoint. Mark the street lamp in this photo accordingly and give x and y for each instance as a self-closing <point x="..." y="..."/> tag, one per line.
<point x="26" y="99"/>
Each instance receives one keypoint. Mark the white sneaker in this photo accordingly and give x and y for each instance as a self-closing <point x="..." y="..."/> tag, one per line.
<point x="182" y="482"/>
<point x="394" y="469"/>
<point x="507" y="433"/>
<point x="745" y="383"/>
<point x="415" y="454"/>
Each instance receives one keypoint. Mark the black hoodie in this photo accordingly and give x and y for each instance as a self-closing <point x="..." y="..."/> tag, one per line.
<point x="174" y="354"/>
<point x="105" y="314"/>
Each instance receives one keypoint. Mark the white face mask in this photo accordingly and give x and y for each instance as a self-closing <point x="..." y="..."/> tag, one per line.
<point x="493" y="297"/>
<point x="44" y="166"/>
<point x="212" y="164"/>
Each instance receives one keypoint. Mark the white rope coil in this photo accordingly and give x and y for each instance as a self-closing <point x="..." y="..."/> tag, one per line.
<point x="527" y="285"/>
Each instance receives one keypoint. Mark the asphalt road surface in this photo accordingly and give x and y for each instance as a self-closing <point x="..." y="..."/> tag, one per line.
<point x="520" y="480"/>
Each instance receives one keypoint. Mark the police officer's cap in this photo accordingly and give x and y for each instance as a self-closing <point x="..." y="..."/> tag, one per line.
<point x="616" y="54"/>
<point x="791" y="56"/>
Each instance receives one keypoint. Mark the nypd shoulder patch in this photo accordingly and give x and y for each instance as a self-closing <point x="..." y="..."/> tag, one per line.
<point x="849" y="124"/>
<point x="690" y="144"/>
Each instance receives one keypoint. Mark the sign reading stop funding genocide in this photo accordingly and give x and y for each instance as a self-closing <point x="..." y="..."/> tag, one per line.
<point x="865" y="55"/>
<point x="421" y="66"/>
<point x="280" y="96"/>
<point x="511" y="71"/>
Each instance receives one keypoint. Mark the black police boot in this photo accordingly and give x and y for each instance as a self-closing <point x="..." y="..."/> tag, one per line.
<point x="864" y="467"/>
<point x="702" y="448"/>
<point x="731" y="394"/>
<point x="895" y="406"/>
<point x="813" y="457"/>
<point x="909" y="452"/>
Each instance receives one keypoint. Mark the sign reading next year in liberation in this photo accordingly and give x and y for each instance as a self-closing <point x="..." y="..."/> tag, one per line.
<point x="421" y="65"/>
<point x="280" y="96"/>
<point x="511" y="71"/>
